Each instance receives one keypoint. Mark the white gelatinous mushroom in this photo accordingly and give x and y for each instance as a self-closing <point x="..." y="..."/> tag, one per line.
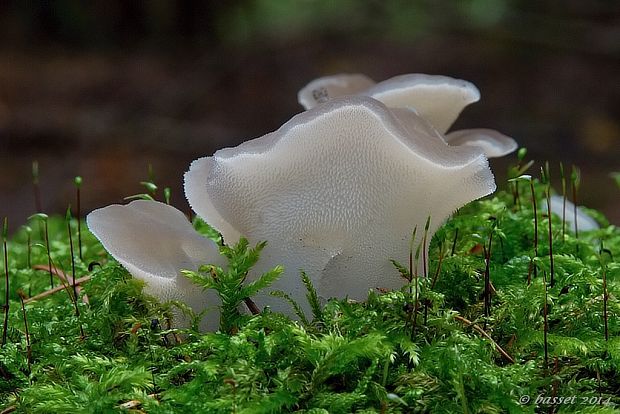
<point x="154" y="242"/>
<point x="584" y="222"/>
<point x="438" y="99"/>
<point x="337" y="192"/>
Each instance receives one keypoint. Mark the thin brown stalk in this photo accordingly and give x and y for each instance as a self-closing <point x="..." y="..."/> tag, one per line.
<point x="22" y="297"/>
<point x="78" y="184"/>
<point x="550" y="237"/>
<point x="424" y="245"/>
<point x="438" y="270"/>
<point x="535" y="227"/>
<point x="486" y="335"/>
<point x="487" y="281"/>
<point x="456" y="235"/>
<point x="563" y="201"/>
<point x="251" y="306"/>
<point x="29" y="257"/>
<point x="416" y="279"/>
<point x="546" y="323"/>
<point x="516" y="200"/>
<point x="75" y="294"/>
<point x="416" y="304"/>
<point x="574" y="188"/>
<point x="415" y="307"/>
<point x="605" y="300"/>
<point x="5" y="326"/>
<point x="49" y="254"/>
<point x="410" y="279"/>
<point x="427" y="301"/>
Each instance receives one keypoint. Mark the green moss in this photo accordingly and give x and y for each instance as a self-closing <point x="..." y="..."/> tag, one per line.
<point x="346" y="357"/>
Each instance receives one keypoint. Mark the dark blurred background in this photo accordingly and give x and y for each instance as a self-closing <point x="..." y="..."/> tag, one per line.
<point x="105" y="89"/>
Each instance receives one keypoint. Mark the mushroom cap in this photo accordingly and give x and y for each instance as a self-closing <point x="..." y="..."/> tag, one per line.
<point x="337" y="191"/>
<point x="439" y="99"/>
<point x="154" y="242"/>
<point x="322" y="89"/>
<point x="493" y="143"/>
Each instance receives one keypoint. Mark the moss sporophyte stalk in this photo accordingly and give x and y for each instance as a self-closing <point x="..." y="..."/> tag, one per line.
<point x="465" y="318"/>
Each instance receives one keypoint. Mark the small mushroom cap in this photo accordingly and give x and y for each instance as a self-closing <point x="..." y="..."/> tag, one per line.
<point x="337" y="191"/>
<point x="154" y="242"/>
<point x="493" y="143"/>
<point x="584" y="222"/>
<point x="322" y="89"/>
<point x="438" y="99"/>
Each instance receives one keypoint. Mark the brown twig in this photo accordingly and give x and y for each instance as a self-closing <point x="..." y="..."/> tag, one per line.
<point x="251" y="306"/>
<point x="9" y="409"/>
<point x="58" y="289"/>
<point x="63" y="277"/>
<point x="486" y="335"/>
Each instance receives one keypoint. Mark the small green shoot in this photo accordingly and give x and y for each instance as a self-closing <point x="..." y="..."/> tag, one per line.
<point x="230" y="283"/>
<point x="167" y="195"/>
<point x="313" y="297"/>
<point x="150" y="187"/>
<point x="142" y="196"/>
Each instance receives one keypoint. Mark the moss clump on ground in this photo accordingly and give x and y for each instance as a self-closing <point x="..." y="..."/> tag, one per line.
<point x="476" y="338"/>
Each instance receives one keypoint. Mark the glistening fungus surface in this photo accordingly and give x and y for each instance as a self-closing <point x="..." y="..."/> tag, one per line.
<point x="337" y="192"/>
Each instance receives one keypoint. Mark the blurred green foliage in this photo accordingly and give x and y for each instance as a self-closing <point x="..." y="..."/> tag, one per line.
<point x="113" y="23"/>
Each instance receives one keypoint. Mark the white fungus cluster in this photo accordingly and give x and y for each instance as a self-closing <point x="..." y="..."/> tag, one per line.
<point x="336" y="192"/>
